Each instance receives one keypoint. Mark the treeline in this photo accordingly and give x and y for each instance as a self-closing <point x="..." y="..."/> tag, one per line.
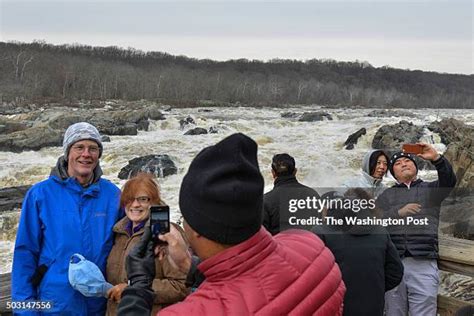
<point x="36" y="71"/>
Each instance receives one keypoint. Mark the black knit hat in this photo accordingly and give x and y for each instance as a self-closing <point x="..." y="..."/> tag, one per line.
<point x="221" y="195"/>
<point x="397" y="156"/>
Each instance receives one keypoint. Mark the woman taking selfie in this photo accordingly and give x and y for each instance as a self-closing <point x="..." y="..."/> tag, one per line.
<point x="138" y="195"/>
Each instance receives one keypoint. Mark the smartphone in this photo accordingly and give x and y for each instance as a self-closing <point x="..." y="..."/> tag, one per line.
<point x="159" y="221"/>
<point x="412" y="149"/>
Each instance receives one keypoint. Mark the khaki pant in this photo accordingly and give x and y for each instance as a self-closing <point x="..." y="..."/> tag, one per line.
<point x="418" y="291"/>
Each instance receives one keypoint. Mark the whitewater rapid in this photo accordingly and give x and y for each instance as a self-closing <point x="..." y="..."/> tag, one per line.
<point x="317" y="147"/>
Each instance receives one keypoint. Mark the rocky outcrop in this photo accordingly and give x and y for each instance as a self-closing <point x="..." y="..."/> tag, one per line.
<point x="48" y="126"/>
<point x="213" y="130"/>
<point x="390" y="113"/>
<point x="7" y="127"/>
<point x="289" y="115"/>
<point x="12" y="197"/>
<point x="390" y="138"/>
<point x="353" y="138"/>
<point x="183" y="123"/>
<point x="33" y="138"/>
<point x="196" y="131"/>
<point x="456" y="213"/>
<point x="315" y="116"/>
<point x="451" y="130"/>
<point x="158" y="165"/>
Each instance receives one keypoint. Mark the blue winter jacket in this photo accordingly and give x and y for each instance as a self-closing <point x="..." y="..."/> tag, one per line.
<point x="59" y="218"/>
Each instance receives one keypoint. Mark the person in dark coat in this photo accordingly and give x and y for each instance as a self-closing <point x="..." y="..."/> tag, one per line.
<point x="286" y="187"/>
<point x="368" y="260"/>
<point x="416" y="204"/>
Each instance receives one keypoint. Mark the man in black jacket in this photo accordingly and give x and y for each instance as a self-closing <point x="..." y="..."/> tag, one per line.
<point x="286" y="188"/>
<point x="369" y="261"/>
<point x="416" y="205"/>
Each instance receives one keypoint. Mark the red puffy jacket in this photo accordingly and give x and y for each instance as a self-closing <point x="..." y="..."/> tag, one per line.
<point x="292" y="273"/>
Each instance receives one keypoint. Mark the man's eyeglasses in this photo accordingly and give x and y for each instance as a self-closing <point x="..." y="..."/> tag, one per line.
<point x="140" y="199"/>
<point x="80" y="149"/>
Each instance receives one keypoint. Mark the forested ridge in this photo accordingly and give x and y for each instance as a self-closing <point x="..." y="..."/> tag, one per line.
<point x="31" y="72"/>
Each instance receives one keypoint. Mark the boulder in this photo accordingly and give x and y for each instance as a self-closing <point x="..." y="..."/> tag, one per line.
<point x="451" y="130"/>
<point x="315" y="116"/>
<point x="196" y="131"/>
<point x="456" y="212"/>
<point x="7" y="127"/>
<point x="158" y="165"/>
<point x="154" y="113"/>
<point x="289" y="115"/>
<point x="33" y="138"/>
<point x="353" y="138"/>
<point x="390" y="138"/>
<point x="119" y="129"/>
<point x="186" y="121"/>
<point x="390" y="113"/>
<point x="213" y="130"/>
<point x="12" y="197"/>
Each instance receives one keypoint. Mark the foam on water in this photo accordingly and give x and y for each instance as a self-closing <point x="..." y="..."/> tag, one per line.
<point x="317" y="147"/>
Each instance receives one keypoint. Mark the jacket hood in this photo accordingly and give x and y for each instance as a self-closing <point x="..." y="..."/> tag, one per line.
<point x="366" y="166"/>
<point x="60" y="170"/>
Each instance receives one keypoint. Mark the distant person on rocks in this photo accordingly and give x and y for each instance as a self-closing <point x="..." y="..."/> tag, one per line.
<point x="286" y="187"/>
<point x="247" y="271"/>
<point x="417" y="203"/>
<point x="369" y="261"/>
<point x="73" y="211"/>
<point x="374" y="168"/>
<point x="138" y="195"/>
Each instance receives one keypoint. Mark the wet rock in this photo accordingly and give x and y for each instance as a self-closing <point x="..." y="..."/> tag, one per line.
<point x="158" y="165"/>
<point x="143" y="125"/>
<point x="394" y="136"/>
<point x="196" y="131"/>
<point x="390" y="138"/>
<point x="289" y="115"/>
<point x="154" y="113"/>
<point x="315" y="116"/>
<point x="461" y="155"/>
<point x="451" y="130"/>
<point x="7" y="127"/>
<point x="186" y="121"/>
<point x="12" y="197"/>
<point x="126" y="129"/>
<point x="105" y="138"/>
<point x="205" y="110"/>
<point x="353" y="138"/>
<point x="62" y="120"/>
<point x="390" y="113"/>
<point x="33" y="138"/>
<point x="213" y="130"/>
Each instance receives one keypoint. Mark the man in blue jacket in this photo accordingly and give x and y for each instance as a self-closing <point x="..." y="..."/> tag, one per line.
<point x="73" y="211"/>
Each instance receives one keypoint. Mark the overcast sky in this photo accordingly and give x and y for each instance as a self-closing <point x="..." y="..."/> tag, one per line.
<point x="428" y="35"/>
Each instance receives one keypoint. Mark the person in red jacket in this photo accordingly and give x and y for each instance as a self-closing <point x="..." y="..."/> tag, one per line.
<point x="246" y="270"/>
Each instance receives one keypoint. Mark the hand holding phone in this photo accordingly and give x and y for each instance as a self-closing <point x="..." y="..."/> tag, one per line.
<point x="159" y="221"/>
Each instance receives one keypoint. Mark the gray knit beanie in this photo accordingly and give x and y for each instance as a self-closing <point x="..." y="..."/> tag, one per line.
<point x="81" y="131"/>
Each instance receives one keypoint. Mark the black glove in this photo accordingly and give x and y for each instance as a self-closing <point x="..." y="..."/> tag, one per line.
<point x="140" y="262"/>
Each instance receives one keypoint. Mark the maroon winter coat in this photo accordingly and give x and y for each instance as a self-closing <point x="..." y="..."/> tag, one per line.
<point x="292" y="273"/>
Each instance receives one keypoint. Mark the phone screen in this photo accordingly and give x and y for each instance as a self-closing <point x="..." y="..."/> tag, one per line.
<point x="159" y="220"/>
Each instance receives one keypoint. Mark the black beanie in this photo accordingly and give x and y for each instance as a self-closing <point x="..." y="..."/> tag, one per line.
<point x="399" y="155"/>
<point x="221" y="195"/>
